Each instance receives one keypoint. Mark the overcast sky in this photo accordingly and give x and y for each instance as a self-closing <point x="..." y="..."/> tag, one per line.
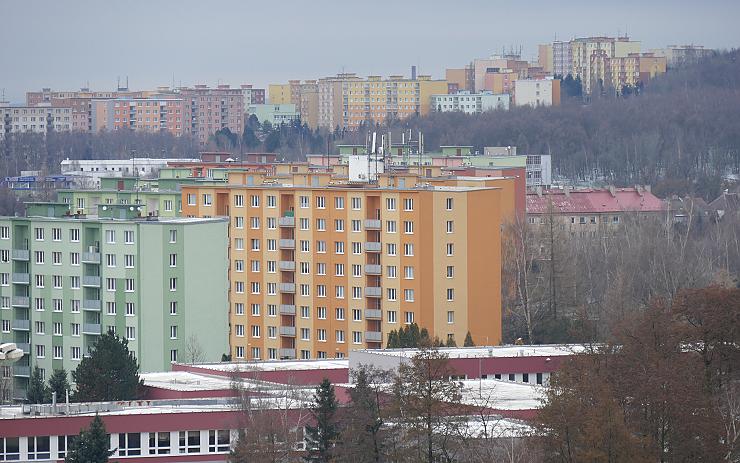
<point x="66" y="44"/>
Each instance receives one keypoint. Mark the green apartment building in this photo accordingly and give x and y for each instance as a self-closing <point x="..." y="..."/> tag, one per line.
<point x="65" y="279"/>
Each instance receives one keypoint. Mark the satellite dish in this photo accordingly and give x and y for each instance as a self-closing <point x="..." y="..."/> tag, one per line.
<point x="105" y="208"/>
<point x="131" y="208"/>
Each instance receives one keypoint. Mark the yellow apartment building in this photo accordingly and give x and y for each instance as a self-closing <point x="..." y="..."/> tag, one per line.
<point x="320" y="266"/>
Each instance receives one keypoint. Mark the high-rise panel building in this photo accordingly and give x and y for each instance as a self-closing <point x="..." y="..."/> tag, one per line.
<point x="65" y="279"/>
<point x="208" y="110"/>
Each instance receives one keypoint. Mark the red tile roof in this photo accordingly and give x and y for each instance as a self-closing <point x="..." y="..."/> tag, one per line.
<point x="592" y="201"/>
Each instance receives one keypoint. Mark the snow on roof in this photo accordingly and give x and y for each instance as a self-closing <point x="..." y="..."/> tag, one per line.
<point x="543" y="350"/>
<point x="281" y="365"/>
<point x="502" y="395"/>
<point x="185" y="381"/>
<point x="593" y="201"/>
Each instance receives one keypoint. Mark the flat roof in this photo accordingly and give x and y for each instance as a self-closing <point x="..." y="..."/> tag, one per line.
<point x="502" y="395"/>
<point x="153" y="220"/>
<point x="278" y="365"/>
<point x="543" y="350"/>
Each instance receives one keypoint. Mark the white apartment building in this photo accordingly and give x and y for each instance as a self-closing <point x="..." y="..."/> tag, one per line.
<point x="34" y="119"/>
<point x="537" y="92"/>
<point x="470" y="103"/>
<point x="93" y="170"/>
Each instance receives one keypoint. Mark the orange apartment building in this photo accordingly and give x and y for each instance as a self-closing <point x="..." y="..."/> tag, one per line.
<point x="320" y="266"/>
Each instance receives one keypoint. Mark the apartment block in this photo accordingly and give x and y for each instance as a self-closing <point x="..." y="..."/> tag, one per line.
<point x="140" y="114"/>
<point x="252" y="95"/>
<point x="34" y="119"/>
<point x="470" y="103"/>
<point x="65" y="279"/>
<point x="319" y="267"/>
<point x="208" y="110"/>
<point x="275" y="114"/>
<point x="537" y="92"/>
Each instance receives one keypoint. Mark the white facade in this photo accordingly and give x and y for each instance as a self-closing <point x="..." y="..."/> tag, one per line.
<point x="531" y="92"/>
<point x="34" y="119"/>
<point x="470" y="103"/>
<point x="539" y="170"/>
<point x="275" y="114"/>
<point x="95" y="169"/>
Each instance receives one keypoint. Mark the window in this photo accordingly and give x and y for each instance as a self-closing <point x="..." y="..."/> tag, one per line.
<point x="5" y="232"/>
<point x="168" y="205"/>
<point x="450" y="226"/>
<point x="450" y="294"/>
<point x="130" y="333"/>
<point x="305" y="334"/>
<point x="159" y="443"/>
<point x="76" y="352"/>
<point x="390" y="204"/>
<point x="110" y="236"/>
<point x="450" y="316"/>
<point x="39" y="257"/>
<point x="239" y="222"/>
<point x="239" y="330"/>
<point x="238" y="308"/>
<point x="254" y="223"/>
<point x="128" y="237"/>
<point x="392" y="314"/>
<point x="321" y="246"/>
<point x="190" y="440"/>
<point x="390" y="226"/>
<point x="321" y="202"/>
<point x="56" y="258"/>
<point x="408" y="249"/>
<point x="173" y="236"/>
<point x="173" y="332"/>
<point x="110" y="308"/>
<point x="272" y="332"/>
<point x="408" y="295"/>
<point x="339" y="312"/>
<point x="339" y="292"/>
<point x="409" y="317"/>
<point x="10" y="449"/>
<point x="339" y="225"/>
<point x="57" y="326"/>
<point x="408" y="204"/>
<point x="305" y="246"/>
<point x="110" y="260"/>
<point x="305" y="311"/>
<point x="255" y="310"/>
<point x="391" y="247"/>
<point x="130" y="286"/>
<point x="256" y="329"/>
<point x="271" y="201"/>
<point x="356" y="203"/>
<point x="450" y="249"/>
<point x="74" y="258"/>
<point x="239" y="352"/>
<point x="39" y="233"/>
<point x="408" y="272"/>
<point x="512" y="377"/>
<point x="254" y="244"/>
<point x="110" y="284"/>
<point x="339" y="247"/>
<point x="129" y="444"/>
<point x="338" y="202"/>
<point x="339" y="336"/>
<point x="321" y="313"/>
<point x="357" y="337"/>
<point x="56" y="234"/>
<point x="525" y="377"/>
<point x="408" y="227"/>
<point x="39" y="448"/>
<point x="254" y="200"/>
<point x="220" y="440"/>
<point x="239" y="200"/>
<point x="191" y="199"/>
<point x="448" y="204"/>
<point x="271" y="223"/>
<point x="321" y="224"/>
<point x="173" y="284"/>
<point x="392" y="294"/>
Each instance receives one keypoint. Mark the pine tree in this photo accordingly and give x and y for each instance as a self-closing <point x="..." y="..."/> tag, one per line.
<point x="109" y="373"/>
<point x="363" y="436"/>
<point x="91" y="446"/>
<point x="322" y="437"/>
<point x="424" y="339"/>
<point x="58" y="383"/>
<point x="414" y="335"/>
<point x="37" y="392"/>
<point x="468" y="341"/>
<point x="451" y="342"/>
<point x="393" y="340"/>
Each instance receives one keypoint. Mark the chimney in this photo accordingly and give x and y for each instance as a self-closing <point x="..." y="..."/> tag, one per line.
<point x="612" y="191"/>
<point x="566" y="189"/>
<point x="538" y="190"/>
<point x="413" y="72"/>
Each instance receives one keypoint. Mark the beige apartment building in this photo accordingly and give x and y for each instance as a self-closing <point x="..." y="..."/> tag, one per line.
<point x="320" y="266"/>
<point x="34" y="119"/>
<point x="207" y="110"/>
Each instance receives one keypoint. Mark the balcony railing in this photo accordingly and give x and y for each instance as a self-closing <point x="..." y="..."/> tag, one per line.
<point x="287" y="309"/>
<point x="373" y="269"/>
<point x="372" y="246"/>
<point x="372" y="224"/>
<point x="91" y="305"/>
<point x="286" y="353"/>
<point x="287" y="331"/>
<point x="287" y="265"/>
<point x="286" y="287"/>
<point x="373" y="291"/>
<point x="286" y="221"/>
<point x="21" y="325"/>
<point x="373" y="314"/>
<point x="20" y="301"/>
<point x="21" y="278"/>
<point x="91" y="328"/>
<point x="287" y="244"/>
<point x="373" y="336"/>
<point x="24" y="346"/>
<point x="21" y="254"/>
<point x="22" y="371"/>
<point x="90" y="257"/>
<point x="92" y="281"/>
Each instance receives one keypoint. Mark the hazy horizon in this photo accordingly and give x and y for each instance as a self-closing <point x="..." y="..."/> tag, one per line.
<point x="81" y="42"/>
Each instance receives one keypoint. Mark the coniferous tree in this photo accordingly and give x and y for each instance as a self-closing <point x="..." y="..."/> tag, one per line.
<point x="322" y="437"/>
<point x="393" y="340"/>
<point x="91" y="446"/>
<point x="451" y="342"/>
<point x="38" y="392"/>
<point x="363" y="435"/>
<point x="59" y="383"/>
<point x="424" y="339"/>
<point x="109" y="373"/>
<point x="468" y="341"/>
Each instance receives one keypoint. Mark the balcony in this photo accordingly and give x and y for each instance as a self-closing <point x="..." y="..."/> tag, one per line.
<point x="373" y="336"/>
<point x="288" y="331"/>
<point x="373" y="314"/>
<point x="287" y="309"/>
<point x="22" y="371"/>
<point x="286" y="353"/>
<point x="373" y="269"/>
<point x="20" y="301"/>
<point x="287" y="265"/>
<point x="20" y="254"/>
<point x="91" y="305"/>
<point x="24" y="346"/>
<point x="287" y="244"/>
<point x="373" y="291"/>
<point x="91" y="281"/>
<point x="21" y="278"/>
<point x="91" y="328"/>
<point x="286" y="287"/>
<point x="372" y="224"/>
<point x="90" y="257"/>
<point x="372" y="246"/>
<point x="21" y="325"/>
<point x="286" y="221"/>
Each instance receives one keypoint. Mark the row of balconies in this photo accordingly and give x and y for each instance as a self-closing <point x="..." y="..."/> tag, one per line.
<point x="370" y="336"/>
<point x="20" y="254"/>
<point x="90" y="258"/>
<point x="21" y="278"/>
